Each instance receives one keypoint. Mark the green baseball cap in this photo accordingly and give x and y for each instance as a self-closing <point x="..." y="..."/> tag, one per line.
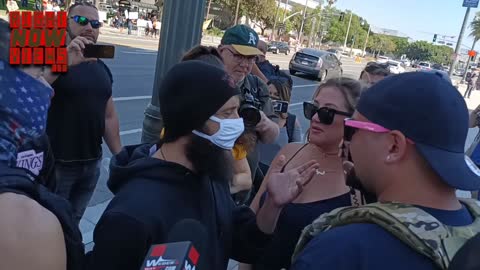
<point x="243" y="39"/>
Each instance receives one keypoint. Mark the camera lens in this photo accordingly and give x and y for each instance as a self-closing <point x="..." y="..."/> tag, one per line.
<point x="251" y="116"/>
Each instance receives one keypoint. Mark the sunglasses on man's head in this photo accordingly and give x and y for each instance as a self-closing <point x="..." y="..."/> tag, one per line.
<point x="325" y="115"/>
<point x="84" y="21"/>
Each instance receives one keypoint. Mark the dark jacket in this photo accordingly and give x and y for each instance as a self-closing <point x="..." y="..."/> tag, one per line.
<point x="152" y="195"/>
<point x="20" y="181"/>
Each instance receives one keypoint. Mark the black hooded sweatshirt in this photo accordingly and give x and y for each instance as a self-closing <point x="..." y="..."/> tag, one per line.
<point x="152" y="195"/>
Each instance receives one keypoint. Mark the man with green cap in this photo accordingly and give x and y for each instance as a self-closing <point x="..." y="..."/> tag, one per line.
<point x="239" y="51"/>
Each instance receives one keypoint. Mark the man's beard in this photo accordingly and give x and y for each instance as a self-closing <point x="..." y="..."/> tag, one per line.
<point x="209" y="159"/>
<point x="354" y="182"/>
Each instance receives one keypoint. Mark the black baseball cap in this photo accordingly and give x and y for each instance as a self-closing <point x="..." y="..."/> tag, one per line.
<point x="431" y="112"/>
<point x="243" y="39"/>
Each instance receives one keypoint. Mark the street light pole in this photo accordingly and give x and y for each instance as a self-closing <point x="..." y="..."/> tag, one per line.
<point x="348" y="30"/>
<point x="186" y="18"/>
<point x="303" y="21"/>
<point x="208" y="9"/>
<point x="366" y="41"/>
<point x="459" y="42"/>
<point x="236" y="12"/>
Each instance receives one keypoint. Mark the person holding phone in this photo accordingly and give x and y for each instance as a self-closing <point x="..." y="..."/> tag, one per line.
<point x="82" y="112"/>
<point x="290" y="129"/>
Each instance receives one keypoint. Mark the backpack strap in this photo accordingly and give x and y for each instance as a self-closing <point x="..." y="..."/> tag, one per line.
<point x="291" y="119"/>
<point x="413" y="226"/>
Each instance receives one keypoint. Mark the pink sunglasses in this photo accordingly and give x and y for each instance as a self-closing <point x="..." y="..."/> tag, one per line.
<point x="351" y="126"/>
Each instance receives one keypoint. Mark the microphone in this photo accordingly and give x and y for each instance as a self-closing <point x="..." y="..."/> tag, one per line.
<point x="185" y="243"/>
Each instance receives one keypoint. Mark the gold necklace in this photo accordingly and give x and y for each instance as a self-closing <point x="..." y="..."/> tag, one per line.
<point x="323" y="172"/>
<point x="163" y="155"/>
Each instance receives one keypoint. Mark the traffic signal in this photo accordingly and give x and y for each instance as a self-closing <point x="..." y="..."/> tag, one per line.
<point x="434" y="37"/>
<point x="342" y="16"/>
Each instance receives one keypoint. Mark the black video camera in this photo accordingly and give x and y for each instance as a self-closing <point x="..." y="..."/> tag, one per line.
<point x="249" y="110"/>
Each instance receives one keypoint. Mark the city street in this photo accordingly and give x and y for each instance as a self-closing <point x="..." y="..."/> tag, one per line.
<point x="133" y="72"/>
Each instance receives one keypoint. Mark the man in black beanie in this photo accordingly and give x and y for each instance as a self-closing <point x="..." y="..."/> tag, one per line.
<point x="186" y="176"/>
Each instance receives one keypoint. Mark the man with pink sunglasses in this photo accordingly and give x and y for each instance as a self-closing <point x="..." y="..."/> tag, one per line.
<point x="406" y="140"/>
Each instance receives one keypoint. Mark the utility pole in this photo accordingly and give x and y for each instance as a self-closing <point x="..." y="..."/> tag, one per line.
<point x="366" y="41"/>
<point x="348" y="30"/>
<point x="275" y="21"/>
<point x="459" y="42"/>
<point x="303" y="22"/>
<point x="186" y="17"/>
<point x="208" y="9"/>
<point x="236" y="12"/>
<point x="312" y="31"/>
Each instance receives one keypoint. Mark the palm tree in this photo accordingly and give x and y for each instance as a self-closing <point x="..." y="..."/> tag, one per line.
<point x="475" y="26"/>
<point x="475" y="33"/>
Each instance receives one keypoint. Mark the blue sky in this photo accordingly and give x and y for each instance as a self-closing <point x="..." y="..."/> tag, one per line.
<point x="419" y="19"/>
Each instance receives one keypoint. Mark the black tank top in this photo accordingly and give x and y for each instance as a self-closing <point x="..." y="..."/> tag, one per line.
<point x="293" y="219"/>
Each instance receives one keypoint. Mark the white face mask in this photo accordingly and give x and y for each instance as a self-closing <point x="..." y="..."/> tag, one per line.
<point x="227" y="134"/>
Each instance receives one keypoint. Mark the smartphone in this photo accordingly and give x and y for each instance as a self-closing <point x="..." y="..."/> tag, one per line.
<point x="280" y="106"/>
<point x="99" y="51"/>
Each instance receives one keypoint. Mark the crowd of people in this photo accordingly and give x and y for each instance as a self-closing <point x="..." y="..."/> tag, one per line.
<point x="370" y="183"/>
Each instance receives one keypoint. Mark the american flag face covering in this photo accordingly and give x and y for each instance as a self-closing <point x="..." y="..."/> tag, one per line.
<point x="24" y="103"/>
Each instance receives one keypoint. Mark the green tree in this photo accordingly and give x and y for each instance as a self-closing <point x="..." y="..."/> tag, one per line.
<point x="475" y="29"/>
<point x="420" y="50"/>
<point x="261" y="12"/>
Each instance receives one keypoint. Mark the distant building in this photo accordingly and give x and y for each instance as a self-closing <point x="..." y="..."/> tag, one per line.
<point x="390" y="32"/>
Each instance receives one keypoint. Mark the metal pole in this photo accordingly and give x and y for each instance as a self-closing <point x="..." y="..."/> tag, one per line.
<point x="348" y="30"/>
<point x="285" y="11"/>
<point x="208" y="9"/>
<point x="459" y="42"/>
<point x="366" y="41"/>
<point x="303" y="21"/>
<point x="314" y="23"/>
<point x="181" y="25"/>
<point x="275" y="21"/>
<point x="236" y="12"/>
<point x="468" y="62"/>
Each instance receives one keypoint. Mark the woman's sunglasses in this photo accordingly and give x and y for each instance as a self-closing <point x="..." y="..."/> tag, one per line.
<point x="84" y="21"/>
<point x="325" y="115"/>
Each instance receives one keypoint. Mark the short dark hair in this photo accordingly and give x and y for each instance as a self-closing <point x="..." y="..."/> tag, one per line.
<point x="4" y="40"/>
<point x="81" y="3"/>
<point x="374" y="68"/>
<point x="206" y="54"/>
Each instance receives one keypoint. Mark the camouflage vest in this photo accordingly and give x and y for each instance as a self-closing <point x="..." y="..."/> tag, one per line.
<point x="410" y="224"/>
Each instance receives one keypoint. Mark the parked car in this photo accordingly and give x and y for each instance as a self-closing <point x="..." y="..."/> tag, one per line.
<point x="337" y="52"/>
<point x="459" y="72"/>
<point x="278" y="47"/>
<point x="382" y="59"/>
<point x="422" y="66"/>
<point x="320" y="64"/>
<point x="406" y="63"/>
<point x="395" y="67"/>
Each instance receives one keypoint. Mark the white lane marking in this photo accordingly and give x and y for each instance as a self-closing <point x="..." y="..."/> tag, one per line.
<point x="130" y="131"/>
<point x="305" y="85"/>
<point x="151" y="53"/>
<point x="131" y="98"/>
